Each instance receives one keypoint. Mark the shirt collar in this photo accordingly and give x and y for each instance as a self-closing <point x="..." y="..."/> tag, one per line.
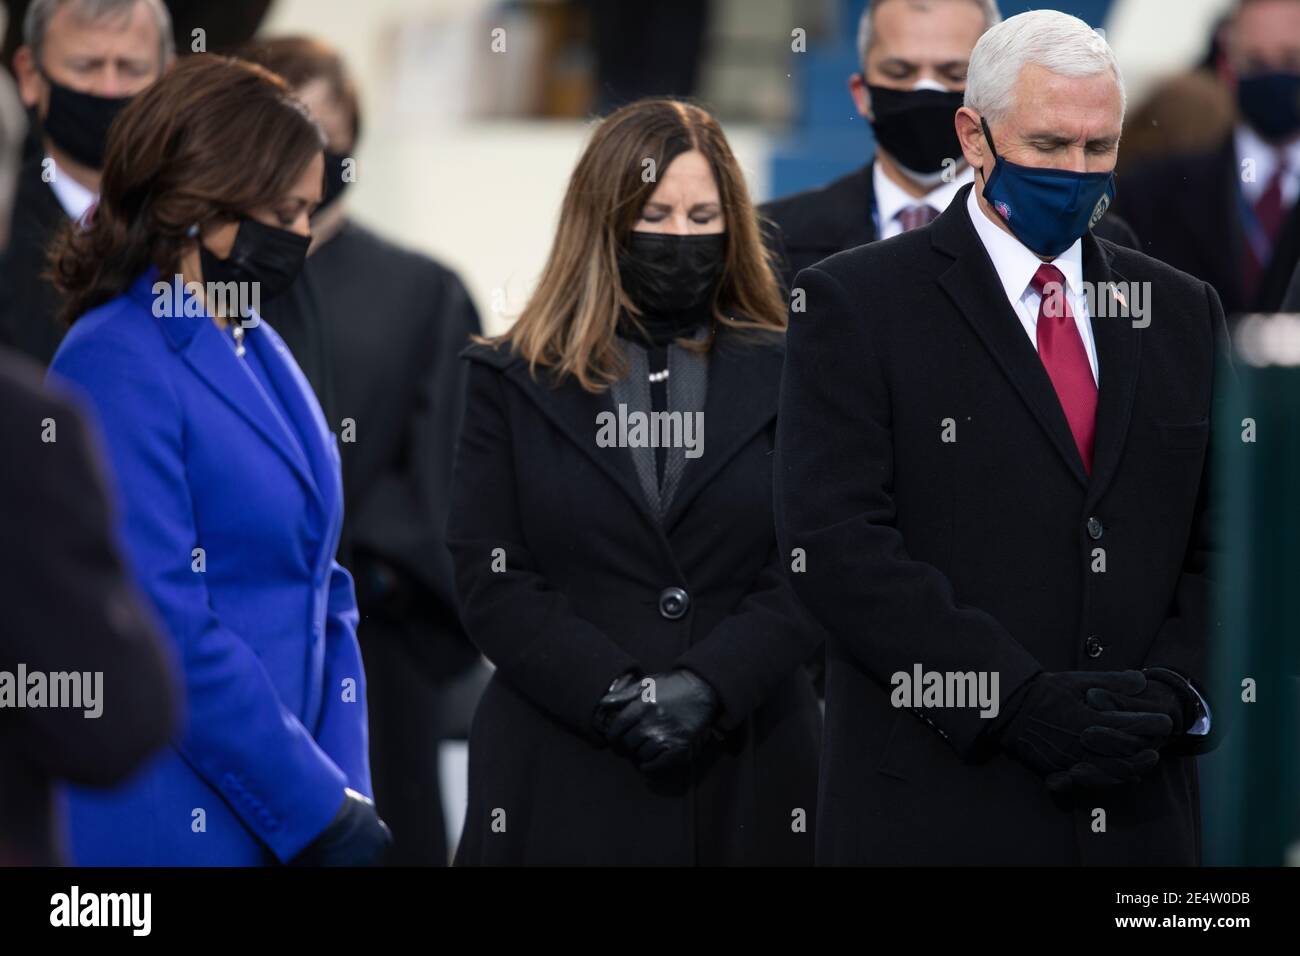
<point x="891" y="199"/>
<point x="1015" y="264"/>
<point x="75" y="198"/>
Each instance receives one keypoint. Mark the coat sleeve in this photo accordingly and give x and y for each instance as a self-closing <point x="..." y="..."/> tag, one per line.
<point x="71" y="606"/>
<point x="239" y="738"/>
<point x="835" y="502"/>
<point x="561" y="662"/>
<point x="342" y="729"/>
<point x="1180" y="645"/>
<point x="757" y="647"/>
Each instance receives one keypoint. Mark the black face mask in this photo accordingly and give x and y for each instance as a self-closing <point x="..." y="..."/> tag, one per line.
<point x="263" y="254"/>
<point x="334" y="181"/>
<point x="1271" y="104"/>
<point x="78" y="123"/>
<point x="664" y="273"/>
<point x="916" y="127"/>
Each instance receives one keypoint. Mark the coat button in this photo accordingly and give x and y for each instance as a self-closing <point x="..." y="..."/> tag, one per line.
<point x="1094" y="528"/>
<point x="673" y="603"/>
<point x="1093" y="646"/>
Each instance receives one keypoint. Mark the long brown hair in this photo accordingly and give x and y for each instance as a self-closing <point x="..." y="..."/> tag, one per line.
<point x="568" y="325"/>
<point x="212" y="140"/>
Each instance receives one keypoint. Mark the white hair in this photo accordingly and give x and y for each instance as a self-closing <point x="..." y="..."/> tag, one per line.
<point x="41" y="12"/>
<point x="1053" y="40"/>
<point x="866" y="24"/>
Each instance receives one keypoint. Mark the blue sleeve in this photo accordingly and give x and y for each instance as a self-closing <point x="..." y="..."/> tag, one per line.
<point x="342" y="728"/>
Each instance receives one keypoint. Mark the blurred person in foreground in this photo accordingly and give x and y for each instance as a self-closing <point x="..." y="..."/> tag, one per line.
<point x="81" y="62"/>
<point x="378" y="331"/>
<point x="228" y="477"/>
<point x="995" y="456"/>
<point x="1229" y="215"/>
<point x="914" y="56"/>
<point x="612" y="530"/>
<point x="71" y="608"/>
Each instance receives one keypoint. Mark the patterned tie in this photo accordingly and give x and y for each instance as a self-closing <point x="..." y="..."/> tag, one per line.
<point x="1061" y="350"/>
<point x="914" y="217"/>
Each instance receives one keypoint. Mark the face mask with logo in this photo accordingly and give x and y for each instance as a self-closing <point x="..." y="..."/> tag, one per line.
<point x="78" y="123"/>
<point x="267" y="255"/>
<point x="916" y="128"/>
<point x="664" y="273"/>
<point x="1270" y="102"/>
<point x="1046" y="209"/>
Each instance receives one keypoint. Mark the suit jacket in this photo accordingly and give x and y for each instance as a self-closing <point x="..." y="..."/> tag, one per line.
<point x="977" y="554"/>
<point x="378" y="331"/>
<point x="70" y="606"/>
<point x="809" y="226"/>
<point x="29" y="303"/>
<point x="263" y="617"/>
<point x="1187" y="209"/>
<point x="584" y="596"/>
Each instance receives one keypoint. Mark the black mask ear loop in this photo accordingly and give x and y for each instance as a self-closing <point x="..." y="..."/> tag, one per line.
<point x="993" y="150"/>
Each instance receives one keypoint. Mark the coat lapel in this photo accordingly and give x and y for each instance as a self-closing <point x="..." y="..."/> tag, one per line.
<point x="1119" y="346"/>
<point x="972" y="285"/>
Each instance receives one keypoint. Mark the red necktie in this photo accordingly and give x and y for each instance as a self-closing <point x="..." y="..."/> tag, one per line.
<point x="914" y="217"/>
<point x="1269" y="213"/>
<point x="1061" y="350"/>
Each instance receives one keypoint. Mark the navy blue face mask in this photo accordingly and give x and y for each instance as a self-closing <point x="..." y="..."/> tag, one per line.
<point x="1271" y="104"/>
<point x="1046" y="209"/>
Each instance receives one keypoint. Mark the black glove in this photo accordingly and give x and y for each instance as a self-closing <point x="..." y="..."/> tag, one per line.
<point x="1165" y="693"/>
<point x="658" y="734"/>
<point x="1056" y="733"/>
<point x="355" y="837"/>
<point x="613" y="702"/>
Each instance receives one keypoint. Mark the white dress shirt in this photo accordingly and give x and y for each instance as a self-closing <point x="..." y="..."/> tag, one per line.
<point x="1016" y="265"/>
<point x="891" y="199"/>
<point x="75" y="198"/>
<point x="1264" y="155"/>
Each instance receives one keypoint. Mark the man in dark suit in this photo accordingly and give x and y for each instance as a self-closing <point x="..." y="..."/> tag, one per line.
<point x="1230" y="216"/>
<point x="76" y="69"/>
<point x="992" y="452"/>
<point x="378" y="331"/>
<point x="914" y="58"/>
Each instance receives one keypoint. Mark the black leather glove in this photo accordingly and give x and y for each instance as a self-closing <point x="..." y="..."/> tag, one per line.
<point x="658" y="734"/>
<point x="1059" y="735"/>
<point x="613" y="701"/>
<point x="355" y="837"/>
<point x="1165" y="693"/>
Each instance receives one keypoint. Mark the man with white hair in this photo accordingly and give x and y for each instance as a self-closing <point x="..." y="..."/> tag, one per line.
<point x="992" y="460"/>
<point x="80" y="63"/>
<point x="914" y="56"/>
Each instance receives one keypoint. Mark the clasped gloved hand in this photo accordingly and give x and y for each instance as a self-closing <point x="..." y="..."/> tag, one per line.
<point x="659" y="733"/>
<point x="1071" y="744"/>
<point x="355" y="837"/>
<point x="1165" y="693"/>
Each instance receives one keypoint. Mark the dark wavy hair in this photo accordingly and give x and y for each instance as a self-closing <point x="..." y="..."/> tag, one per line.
<point x="212" y="140"/>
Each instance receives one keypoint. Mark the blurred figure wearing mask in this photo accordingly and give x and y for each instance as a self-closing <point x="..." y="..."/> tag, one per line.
<point x="80" y="64"/>
<point x="228" y="475"/>
<point x="70" y="605"/>
<point x="914" y="55"/>
<point x="1230" y="216"/>
<point x="378" y="331"/>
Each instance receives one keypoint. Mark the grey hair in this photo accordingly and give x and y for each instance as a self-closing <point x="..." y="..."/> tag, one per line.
<point x="13" y="129"/>
<point x="992" y="17"/>
<point x="1051" y="39"/>
<point x="41" y="12"/>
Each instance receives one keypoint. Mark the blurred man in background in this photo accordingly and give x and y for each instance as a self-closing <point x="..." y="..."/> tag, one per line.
<point x="378" y="331"/>
<point x="69" y="605"/>
<point x="1229" y="216"/>
<point x="80" y="63"/>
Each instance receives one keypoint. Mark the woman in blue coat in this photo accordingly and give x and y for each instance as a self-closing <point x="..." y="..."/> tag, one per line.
<point x="227" y="478"/>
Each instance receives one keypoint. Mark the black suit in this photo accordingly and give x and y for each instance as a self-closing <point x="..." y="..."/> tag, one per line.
<point x="378" y="331"/>
<point x="28" y="303"/>
<point x="816" y="223"/>
<point x="581" y="601"/>
<point x="976" y="554"/>
<point x="1187" y="209"/>
<point x="69" y="606"/>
